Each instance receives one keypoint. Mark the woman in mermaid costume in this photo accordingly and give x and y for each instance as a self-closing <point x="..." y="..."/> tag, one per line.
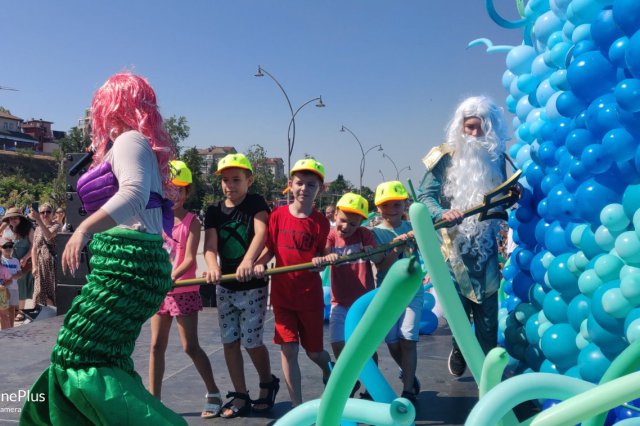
<point x="91" y="379"/>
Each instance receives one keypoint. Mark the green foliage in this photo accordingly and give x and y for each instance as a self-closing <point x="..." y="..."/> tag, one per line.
<point x="264" y="182"/>
<point x="199" y="186"/>
<point x="74" y="141"/>
<point x="178" y="129"/>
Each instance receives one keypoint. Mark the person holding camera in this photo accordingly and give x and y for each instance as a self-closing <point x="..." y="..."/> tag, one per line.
<point x="42" y="252"/>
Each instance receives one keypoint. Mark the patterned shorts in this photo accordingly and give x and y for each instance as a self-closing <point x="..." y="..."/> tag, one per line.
<point x="181" y="304"/>
<point x="241" y="315"/>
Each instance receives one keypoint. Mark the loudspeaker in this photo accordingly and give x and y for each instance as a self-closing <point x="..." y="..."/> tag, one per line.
<point x="75" y="212"/>
<point x="83" y="270"/>
<point x="71" y="160"/>
<point x="65" y="293"/>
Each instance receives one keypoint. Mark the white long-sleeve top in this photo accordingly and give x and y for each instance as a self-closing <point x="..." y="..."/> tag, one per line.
<point x="135" y="166"/>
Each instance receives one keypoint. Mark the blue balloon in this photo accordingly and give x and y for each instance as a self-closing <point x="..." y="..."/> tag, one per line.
<point x="582" y="47"/>
<point x="511" y="103"/>
<point x="596" y="159"/>
<point x="590" y="76"/>
<point x="627" y="94"/>
<point x="526" y="233"/>
<point x="541" y="228"/>
<point x="579" y="172"/>
<point x="429" y="301"/>
<point x="561" y="278"/>
<point x="523" y="108"/>
<point x="544" y="92"/>
<point x="582" y="11"/>
<point x="631" y="200"/>
<point x="577" y="140"/>
<point x="630" y="121"/>
<point x="602" y="115"/>
<point x="611" y="344"/>
<point x="558" y="55"/>
<point x="519" y="59"/>
<point x="617" y="52"/>
<point x="545" y="25"/>
<point x="592" y="363"/>
<point x="591" y="196"/>
<point x="626" y="13"/>
<point x="556" y="239"/>
<point x="536" y="268"/>
<point x="559" y="80"/>
<point x="428" y="322"/>
<point x="578" y="310"/>
<point x="546" y="153"/>
<point x="569" y="105"/>
<point x="632" y="55"/>
<point x="558" y="344"/>
<point x="533" y="357"/>
<point x="531" y="329"/>
<point x="527" y="83"/>
<point x="521" y="284"/>
<point x="604" y="319"/>
<point x="540" y="69"/>
<point x="554" y="307"/>
<point x="534" y="174"/>
<point x="604" y="30"/>
<point x="523" y="259"/>
<point x="619" y="144"/>
<point x="548" y="182"/>
<point x="507" y="78"/>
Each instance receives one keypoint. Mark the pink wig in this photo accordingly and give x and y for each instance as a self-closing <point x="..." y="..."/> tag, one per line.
<point x="127" y="101"/>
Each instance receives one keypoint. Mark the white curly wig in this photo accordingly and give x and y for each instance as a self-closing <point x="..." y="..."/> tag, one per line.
<point x="476" y="168"/>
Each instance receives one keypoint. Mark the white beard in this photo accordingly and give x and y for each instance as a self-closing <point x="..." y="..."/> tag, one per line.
<point x="475" y="170"/>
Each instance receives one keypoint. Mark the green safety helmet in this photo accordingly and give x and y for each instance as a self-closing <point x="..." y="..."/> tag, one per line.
<point x="234" y="160"/>
<point x="354" y="203"/>
<point x="309" y="165"/>
<point x="180" y="173"/>
<point x="389" y="191"/>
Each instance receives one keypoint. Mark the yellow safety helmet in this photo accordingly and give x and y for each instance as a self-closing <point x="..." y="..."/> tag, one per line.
<point x="354" y="203"/>
<point x="180" y="173"/>
<point x="389" y="191"/>
<point x="310" y="165"/>
<point x="234" y="160"/>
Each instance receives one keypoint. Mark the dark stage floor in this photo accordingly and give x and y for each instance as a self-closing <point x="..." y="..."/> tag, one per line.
<point x="24" y="351"/>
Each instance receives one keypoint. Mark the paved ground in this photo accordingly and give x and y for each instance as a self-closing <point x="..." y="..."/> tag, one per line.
<point x="444" y="400"/>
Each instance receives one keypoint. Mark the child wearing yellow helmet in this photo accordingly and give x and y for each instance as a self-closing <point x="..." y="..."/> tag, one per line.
<point x="350" y="280"/>
<point x="182" y="303"/>
<point x="391" y="200"/>
<point x="297" y="233"/>
<point x="235" y="231"/>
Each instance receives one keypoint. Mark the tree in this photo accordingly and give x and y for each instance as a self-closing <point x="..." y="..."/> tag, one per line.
<point x="178" y="129"/>
<point x="336" y="189"/>
<point x="3" y="109"/>
<point x="264" y="183"/>
<point x="75" y="141"/>
<point x="198" y="187"/>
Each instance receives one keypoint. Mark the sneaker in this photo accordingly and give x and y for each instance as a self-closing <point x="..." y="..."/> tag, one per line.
<point x="416" y="382"/>
<point x="457" y="364"/>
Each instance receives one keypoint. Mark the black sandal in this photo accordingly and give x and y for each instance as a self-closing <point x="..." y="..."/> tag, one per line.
<point x="236" y="412"/>
<point x="411" y="397"/>
<point x="270" y="399"/>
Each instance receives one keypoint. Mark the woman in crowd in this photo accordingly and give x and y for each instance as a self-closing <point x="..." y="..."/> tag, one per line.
<point x="42" y="252"/>
<point x="22" y="241"/>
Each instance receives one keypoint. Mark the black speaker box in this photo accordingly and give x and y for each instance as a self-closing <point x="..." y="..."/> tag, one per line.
<point x="79" y="278"/>
<point x="65" y="293"/>
<point x="69" y="161"/>
<point x="75" y="212"/>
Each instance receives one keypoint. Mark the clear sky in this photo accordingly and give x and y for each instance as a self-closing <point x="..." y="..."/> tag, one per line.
<point x="391" y="71"/>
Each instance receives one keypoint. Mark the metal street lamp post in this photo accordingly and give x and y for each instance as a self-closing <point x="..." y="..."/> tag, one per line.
<point x="291" y="130"/>
<point x="396" y="167"/>
<point x="364" y="153"/>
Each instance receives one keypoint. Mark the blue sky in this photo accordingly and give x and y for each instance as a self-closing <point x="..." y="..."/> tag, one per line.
<point x="391" y="71"/>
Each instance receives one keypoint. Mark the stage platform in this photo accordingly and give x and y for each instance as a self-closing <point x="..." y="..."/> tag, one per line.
<point x="444" y="399"/>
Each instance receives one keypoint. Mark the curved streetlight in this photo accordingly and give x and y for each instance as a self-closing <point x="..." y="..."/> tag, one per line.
<point x="364" y="153"/>
<point x="396" y="167"/>
<point x="291" y="130"/>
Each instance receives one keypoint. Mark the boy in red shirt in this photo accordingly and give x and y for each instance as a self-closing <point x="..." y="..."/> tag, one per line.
<point x="350" y="280"/>
<point x="296" y="234"/>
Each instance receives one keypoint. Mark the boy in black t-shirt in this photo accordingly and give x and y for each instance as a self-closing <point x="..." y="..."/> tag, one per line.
<point x="236" y="230"/>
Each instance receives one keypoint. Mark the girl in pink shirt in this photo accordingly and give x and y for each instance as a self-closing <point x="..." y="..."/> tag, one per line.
<point x="183" y="303"/>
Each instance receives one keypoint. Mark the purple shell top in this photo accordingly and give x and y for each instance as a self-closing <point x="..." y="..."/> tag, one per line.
<point x="99" y="184"/>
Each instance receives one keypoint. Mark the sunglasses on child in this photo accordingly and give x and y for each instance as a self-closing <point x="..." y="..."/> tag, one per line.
<point x="45" y="212"/>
